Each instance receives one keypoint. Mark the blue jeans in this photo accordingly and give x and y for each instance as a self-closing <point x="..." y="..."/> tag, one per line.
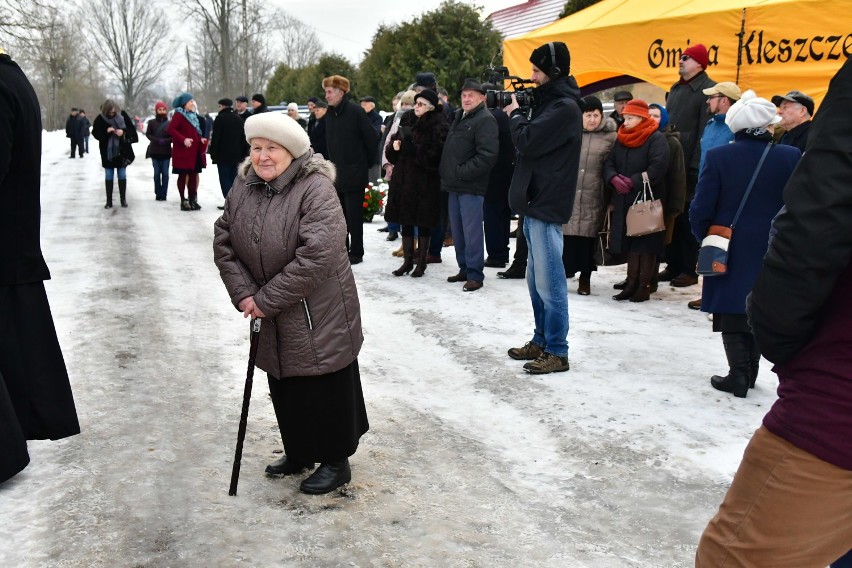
<point x="547" y="284"/>
<point x="468" y="237"/>
<point x="161" y="176"/>
<point x="844" y="562"/>
<point x="110" y="173"/>
<point x="227" y="175"/>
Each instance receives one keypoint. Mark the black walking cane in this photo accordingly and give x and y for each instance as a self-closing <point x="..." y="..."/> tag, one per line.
<point x="241" y="435"/>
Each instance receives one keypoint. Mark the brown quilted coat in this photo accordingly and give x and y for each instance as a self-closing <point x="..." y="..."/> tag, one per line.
<point x="284" y="243"/>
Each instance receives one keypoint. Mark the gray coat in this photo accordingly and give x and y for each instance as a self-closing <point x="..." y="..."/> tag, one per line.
<point x="283" y="243"/>
<point x="591" y="197"/>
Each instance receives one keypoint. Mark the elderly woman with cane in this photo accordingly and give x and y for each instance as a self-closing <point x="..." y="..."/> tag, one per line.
<point x="280" y="246"/>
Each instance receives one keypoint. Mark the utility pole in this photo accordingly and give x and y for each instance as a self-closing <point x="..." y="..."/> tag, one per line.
<point x="188" y="72"/>
<point x="245" y="50"/>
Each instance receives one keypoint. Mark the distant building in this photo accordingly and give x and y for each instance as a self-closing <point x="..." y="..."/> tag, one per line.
<point x="524" y="18"/>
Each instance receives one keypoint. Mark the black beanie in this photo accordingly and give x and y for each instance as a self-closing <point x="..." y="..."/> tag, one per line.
<point x="591" y="103"/>
<point x="259" y="98"/>
<point x="542" y="57"/>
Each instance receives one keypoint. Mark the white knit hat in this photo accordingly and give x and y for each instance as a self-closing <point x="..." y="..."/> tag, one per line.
<point x="279" y="128"/>
<point x="751" y="112"/>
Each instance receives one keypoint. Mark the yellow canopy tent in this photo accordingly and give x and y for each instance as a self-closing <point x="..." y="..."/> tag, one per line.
<point x="771" y="46"/>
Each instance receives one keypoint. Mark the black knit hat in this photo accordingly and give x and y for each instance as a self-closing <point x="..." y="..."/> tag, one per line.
<point x="259" y="98"/>
<point x="591" y="103"/>
<point x="551" y="55"/>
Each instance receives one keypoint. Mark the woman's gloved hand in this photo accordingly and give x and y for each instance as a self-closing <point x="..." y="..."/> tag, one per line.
<point x="621" y="183"/>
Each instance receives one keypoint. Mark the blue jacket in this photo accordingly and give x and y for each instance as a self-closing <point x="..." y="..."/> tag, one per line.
<point x="727" y="171"/>
<point x="716" y="133"/>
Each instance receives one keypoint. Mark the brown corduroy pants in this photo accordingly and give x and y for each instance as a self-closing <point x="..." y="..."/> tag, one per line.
<point x="786" y="508"/>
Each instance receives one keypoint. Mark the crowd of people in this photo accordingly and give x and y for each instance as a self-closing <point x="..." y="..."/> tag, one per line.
<point x="711" y="156"/>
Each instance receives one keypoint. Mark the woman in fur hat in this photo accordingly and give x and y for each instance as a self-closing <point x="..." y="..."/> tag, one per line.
<point x="280" y="246"/>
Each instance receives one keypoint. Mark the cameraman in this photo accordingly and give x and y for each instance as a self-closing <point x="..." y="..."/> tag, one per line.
<point x="542" y="190"/>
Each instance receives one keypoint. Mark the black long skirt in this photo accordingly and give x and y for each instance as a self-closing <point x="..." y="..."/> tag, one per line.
<point x="321" y="417"/>
<point x="32" y="365"/>
<point x="577" y="254"/>
<point x="13" y="446"/>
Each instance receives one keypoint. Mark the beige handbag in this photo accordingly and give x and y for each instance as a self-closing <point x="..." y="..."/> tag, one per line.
<point x="645" y="216"/>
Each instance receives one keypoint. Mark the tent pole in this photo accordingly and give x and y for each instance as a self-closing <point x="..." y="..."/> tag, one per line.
<point x="741" y="36"/>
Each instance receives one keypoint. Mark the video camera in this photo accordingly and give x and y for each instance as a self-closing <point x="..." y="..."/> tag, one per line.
<point x="521" y="88"/>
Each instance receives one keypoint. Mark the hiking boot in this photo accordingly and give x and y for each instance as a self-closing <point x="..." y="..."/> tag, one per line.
<point x="460" y="277"/>
<point x="547" y="363"/>
<point x="472" y="286"/>
<point x="529" y="352"/>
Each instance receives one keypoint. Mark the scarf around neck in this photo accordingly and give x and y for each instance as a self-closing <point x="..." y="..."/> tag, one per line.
<point x="191" y="117"/>
<point x="114" y="142"/>
<point x="637" y="135"/>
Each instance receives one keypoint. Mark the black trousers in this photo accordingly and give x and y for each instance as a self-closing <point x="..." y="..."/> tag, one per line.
<point x="496" y="215"/>
<point x="522" y="251"/>
<point x="76" y="144"/>
<point x="353" y="209"/>
<point x="682" y="253"/>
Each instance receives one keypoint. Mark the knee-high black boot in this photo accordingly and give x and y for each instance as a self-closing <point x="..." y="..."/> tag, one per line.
<point x="737" y="350"/>
<point x="753" y="361"/>
<point x="109" y="185"/>
<point x="408" y="255"/>
<point x="422" y="253"/>
<point x="632" y="282"/>
<point x="122" y="191"/>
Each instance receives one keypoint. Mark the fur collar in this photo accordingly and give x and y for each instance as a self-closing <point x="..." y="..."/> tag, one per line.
<point x="315" y="164"/>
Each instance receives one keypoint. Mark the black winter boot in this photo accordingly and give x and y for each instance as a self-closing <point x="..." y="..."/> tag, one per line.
<point x="184" y="205"/>
<point x="516" y="270"/>
<point x="122" y="191"/>
<point x="737" y="350"/>
<point x="109" y="185"/>
<point x="753" y="361"/>
<point x="408" y="255"/>
<point x="647" y="271"/>
<point x="328" y="477"/>
<point x="287" y="466"/>
<point x="632" y="282"/>
<point x="193" y="204"/>
<point x="422" y="253"/>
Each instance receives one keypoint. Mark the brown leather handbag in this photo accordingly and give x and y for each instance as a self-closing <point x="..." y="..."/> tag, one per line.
<point x="645" y="216"/>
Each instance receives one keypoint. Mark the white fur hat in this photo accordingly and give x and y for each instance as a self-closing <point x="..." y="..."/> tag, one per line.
<point x="279" y="128"/>
<point x="751" y="111"/>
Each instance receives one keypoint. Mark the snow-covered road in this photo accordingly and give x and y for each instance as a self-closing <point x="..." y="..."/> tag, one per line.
<point x="469" y="461"/>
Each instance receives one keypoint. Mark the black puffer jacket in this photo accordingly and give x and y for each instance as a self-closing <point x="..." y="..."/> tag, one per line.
<point x="469" y="152"/>
<point x="548" y="147"/>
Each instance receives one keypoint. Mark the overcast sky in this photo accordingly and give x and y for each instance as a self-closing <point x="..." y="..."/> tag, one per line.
<point x="348" y="27"/>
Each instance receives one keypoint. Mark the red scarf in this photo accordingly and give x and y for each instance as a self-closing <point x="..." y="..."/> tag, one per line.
<point x="637" y="135"/>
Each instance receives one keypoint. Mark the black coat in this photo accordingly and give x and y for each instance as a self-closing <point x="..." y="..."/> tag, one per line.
<point x="130" y="136"/>
<point x="72" y="127"/>
<point x="228" y="144"/>
<point x="501" y="174"/>
<point x="651" y="157"/>
<point x="414" y="197"/>
<point x="797" y="137"/>
<point x="813" y="244"/>
<point x="469" y="152"/>
<point x="317" y="137"/>
<point x="686" y="104"/>
<point x="352" y="144"/>
<point x="160" y="143"/>
<point x="548" y="158"/>
<point x="33" y="379"/>
<point x="21" y="260"/>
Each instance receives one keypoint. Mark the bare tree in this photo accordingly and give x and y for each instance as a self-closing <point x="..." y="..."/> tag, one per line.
<point x="19" y="18"/>
<point x="132" y="41"/>
<point x="300" y="45"/>
<point x="218" y="19"/>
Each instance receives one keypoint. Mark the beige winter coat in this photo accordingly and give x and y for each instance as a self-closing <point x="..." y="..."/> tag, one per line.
<point x="590" y="199"/>
<point x="284" y="243"/>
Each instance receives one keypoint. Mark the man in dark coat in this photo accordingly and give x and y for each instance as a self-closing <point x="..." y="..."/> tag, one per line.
<point x="228" y="146"/>
<point x="317" y="134"/>
<point x="620" y="99"/>
<point x="85" y="130"/>
<point x="790" y="499"/>
<point x="72" y="131"/>
<point x="258" y="104"/>
<point x="497" y="214"/>
<point x="33" y="380"/>
<point x="470" y="152"/>
<point x="686" y="104"/>
<point x="242" y="109"/>
<point x="548" y="142"/>
<point x="796" y="109"/>
<point x="352" y="143"/>
<point x="368" y="103"/>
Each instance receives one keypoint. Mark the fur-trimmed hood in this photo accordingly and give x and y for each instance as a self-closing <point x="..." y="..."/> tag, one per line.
<point x="309" y="164"/>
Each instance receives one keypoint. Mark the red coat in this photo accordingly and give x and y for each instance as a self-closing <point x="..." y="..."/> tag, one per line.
<point x="184" y="158"/>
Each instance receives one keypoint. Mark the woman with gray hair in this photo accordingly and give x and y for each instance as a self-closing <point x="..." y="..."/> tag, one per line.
<point x="114" y="130"/>
<point x="728" y="170"/>
<point x="280" y="246"/>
